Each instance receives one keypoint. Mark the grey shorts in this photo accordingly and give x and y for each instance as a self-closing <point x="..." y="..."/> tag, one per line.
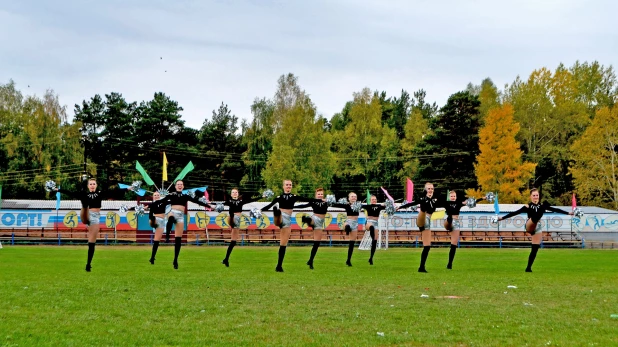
<point x="93" y="217"/>
<point x="373" y="222"/>
<point x="318" y="223"/>
<point x="456" y="225"/>
<point x="159" y="222"/>
<point x="353" y="223"/>
<point x="236" y="221"/>
<point x="286" y="220"/>
<point x="178" y="215"/>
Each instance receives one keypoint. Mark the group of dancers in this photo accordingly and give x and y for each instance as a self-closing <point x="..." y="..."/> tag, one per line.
<point x="162" y="217"/>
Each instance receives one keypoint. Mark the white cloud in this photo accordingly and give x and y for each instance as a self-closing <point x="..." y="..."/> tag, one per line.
<point x="216" y="51"/>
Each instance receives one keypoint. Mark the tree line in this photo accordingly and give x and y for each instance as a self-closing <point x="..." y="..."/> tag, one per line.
<point x="554" y="130"/>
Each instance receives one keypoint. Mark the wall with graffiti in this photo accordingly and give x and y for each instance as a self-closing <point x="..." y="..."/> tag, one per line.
<point x="38" y="219"/>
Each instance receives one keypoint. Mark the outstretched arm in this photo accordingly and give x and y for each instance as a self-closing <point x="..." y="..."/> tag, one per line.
<point x="515" y="213"/>
<point x="557" y="210"/>
<point x="272" y="203"/>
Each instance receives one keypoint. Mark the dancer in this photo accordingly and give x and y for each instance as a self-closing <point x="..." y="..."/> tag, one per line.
<point x="178" y="200"/>
<point x="452" y="223"/>
<point x="283" y="217"/>
<point x="90" y="213"/>
<point x="373" y="215"/>
<point x="428" y="206"/>
<point x="235" y="209"/>
<point x="158" y="218"/>
<point x="535" y="212"/>
<point x="351" y="224"/>
<point x="316" y="221"/>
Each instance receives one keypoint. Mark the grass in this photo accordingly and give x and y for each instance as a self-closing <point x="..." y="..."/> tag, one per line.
<point x="48" y="298"/>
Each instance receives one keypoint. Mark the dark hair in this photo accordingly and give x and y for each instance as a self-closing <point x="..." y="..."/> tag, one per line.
<point x="534" y="190"/>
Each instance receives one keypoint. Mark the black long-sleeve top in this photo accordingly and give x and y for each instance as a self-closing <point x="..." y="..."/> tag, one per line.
<point x="89" y="199"/>
<point x="179" y="198"/>
<point x="235" y="205"/>
<point x="286" y="201"/>
<point x="158" y="206"/>
<point x="318" y="206"/>
<point x="348" y="209"/>
<point x="428" y="205"/>
<point x="535" y="211"/>
<point x="373" y="210"/>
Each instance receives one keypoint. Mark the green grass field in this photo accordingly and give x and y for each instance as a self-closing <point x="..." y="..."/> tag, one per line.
<point x="48" y="298"/>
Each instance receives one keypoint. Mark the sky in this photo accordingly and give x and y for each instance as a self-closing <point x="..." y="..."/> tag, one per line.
<point x="203" y="53"/>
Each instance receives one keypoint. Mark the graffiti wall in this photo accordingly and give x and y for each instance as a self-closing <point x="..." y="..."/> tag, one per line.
<point x="32" y="219"/>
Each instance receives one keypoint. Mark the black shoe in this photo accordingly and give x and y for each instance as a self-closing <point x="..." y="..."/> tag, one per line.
<point x="175" y="265"/>
<point x="370" y="261"/>
<point x="225" y="262"/>
<point x="348" y="263"/>
<point x="310" y="263"/>
<point x="422" y="269"/>
<point x="528" y="270"/>
<point x="152" y="261"/>
<point x="279" y="269"/>
<point x="449" y="266"/>
<point x="88" y="267"/>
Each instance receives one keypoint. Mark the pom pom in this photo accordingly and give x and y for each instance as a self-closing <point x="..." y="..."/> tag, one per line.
<point x="191" y="193"/>
<point x="267" y="194"/>
<point x="163" y="192"/>
<point x="136" y="185"/>
<point x="471" y="202"/>
<point x="494" y="219"/>
<point x="490" y="197"/>
<point x="256" y="213"/>
<point x="139" y="210"/>
<point x="124" y="208"/>
<point x="578" y="212"/>
<point x="356" y="207"/>
<point x="390" y="207"/>
<point x="219" y="207"/>
<point x="50" y="185"/>
<point x="203" y="200"/>
<point x="343" y="201"/>
<point x="330" y="200"/>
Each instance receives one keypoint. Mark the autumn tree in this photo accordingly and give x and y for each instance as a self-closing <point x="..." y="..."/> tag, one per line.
<point x="499" y="166"/>
<point x="551" y="117"/>
<point x="37" y="143"/>
<point x="359" y="146"/>
<point x="257" y="139"/>
<point x="595" y="160"/>
<point x="300" y="145"/>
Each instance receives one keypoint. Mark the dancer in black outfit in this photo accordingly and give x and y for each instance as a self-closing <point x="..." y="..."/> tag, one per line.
<point x="178" y="200"/>
<point x="452" y="223"/>
<point x="316" y="221"/>
<point x="535" y="212"/>
<point x="283" y="217"/>
<point x="235" y="209"/>
<point x="90" y="214"/>
<point x="428" y="205"/>
<point x="373" y="215"/>
<point x="351" y="224"/>
<point x="158" y="218"/>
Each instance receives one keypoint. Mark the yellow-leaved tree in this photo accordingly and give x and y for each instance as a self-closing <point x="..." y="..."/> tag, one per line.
<point x="499" y="166"/>
<point x="595" y="160"/>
